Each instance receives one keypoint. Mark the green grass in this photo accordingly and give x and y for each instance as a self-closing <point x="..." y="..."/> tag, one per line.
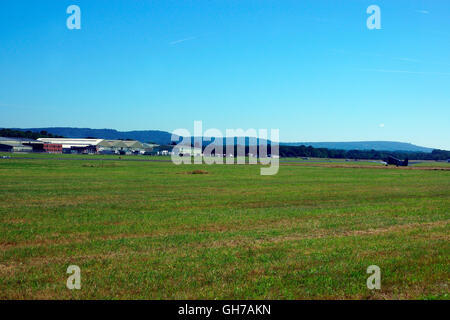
<point x="151" y="230"/>
<point x="432" y="164"/>
<point x="81" y="156"/>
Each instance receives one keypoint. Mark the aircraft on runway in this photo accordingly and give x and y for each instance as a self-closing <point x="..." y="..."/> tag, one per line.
<point x="396" y="162"/>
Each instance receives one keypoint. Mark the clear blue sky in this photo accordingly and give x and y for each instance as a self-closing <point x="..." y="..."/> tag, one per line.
<point x="310" y="68"/>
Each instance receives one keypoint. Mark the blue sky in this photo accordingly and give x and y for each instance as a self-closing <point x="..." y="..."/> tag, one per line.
<point x="309" y="68"/>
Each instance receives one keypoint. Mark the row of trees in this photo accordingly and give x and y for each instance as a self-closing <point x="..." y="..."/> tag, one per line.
<point x="10" y="133"/>
<point x="304" y="151"/>
<point x="311" y="152"/>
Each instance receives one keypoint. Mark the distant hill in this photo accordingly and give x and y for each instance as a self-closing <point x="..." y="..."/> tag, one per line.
<point x="163" y="137"/>
<point x="364" y="145"/>
<point x="156" y="136"/>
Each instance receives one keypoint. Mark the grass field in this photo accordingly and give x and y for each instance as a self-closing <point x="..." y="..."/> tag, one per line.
<point x="153" y="230"/>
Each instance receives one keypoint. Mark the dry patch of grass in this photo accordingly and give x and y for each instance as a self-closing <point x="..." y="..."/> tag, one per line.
<point x="198" y="171"/>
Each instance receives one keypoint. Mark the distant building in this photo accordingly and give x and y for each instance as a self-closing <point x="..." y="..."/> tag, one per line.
<point x="53" y="147"/>
<point x="102" y="146"/>
<point x="112" y="147"/>
<point x="125" y="147"/>
<point x="15" y="147"/>
<point x="74" y="145"/>
<point x="133" y="145"/>
<point x="18" y="144"/>
<point x="28" y="145"/>
<point x="4" y="147"/>
<point x="148" y="148"/>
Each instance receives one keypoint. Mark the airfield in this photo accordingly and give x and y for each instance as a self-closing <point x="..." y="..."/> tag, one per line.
<point x="140" y="227"/>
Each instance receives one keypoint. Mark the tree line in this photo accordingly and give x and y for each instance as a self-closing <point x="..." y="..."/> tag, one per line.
<point x="308" y="151"/>
<point x="311" y="152"/>
<point x="11" y="133"/>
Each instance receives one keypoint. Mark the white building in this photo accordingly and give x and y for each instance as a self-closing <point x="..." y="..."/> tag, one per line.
<point x="75" y="145"/>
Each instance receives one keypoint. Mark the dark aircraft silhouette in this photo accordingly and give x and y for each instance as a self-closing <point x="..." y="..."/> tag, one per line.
<point x="397" y="162"/>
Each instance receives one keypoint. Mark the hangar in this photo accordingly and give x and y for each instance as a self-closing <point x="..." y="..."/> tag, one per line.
<point x="74" y="145"/>
<point x="20" y="145"/>
<point x="103" y="146"/>
<point x="111" y="146"/>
